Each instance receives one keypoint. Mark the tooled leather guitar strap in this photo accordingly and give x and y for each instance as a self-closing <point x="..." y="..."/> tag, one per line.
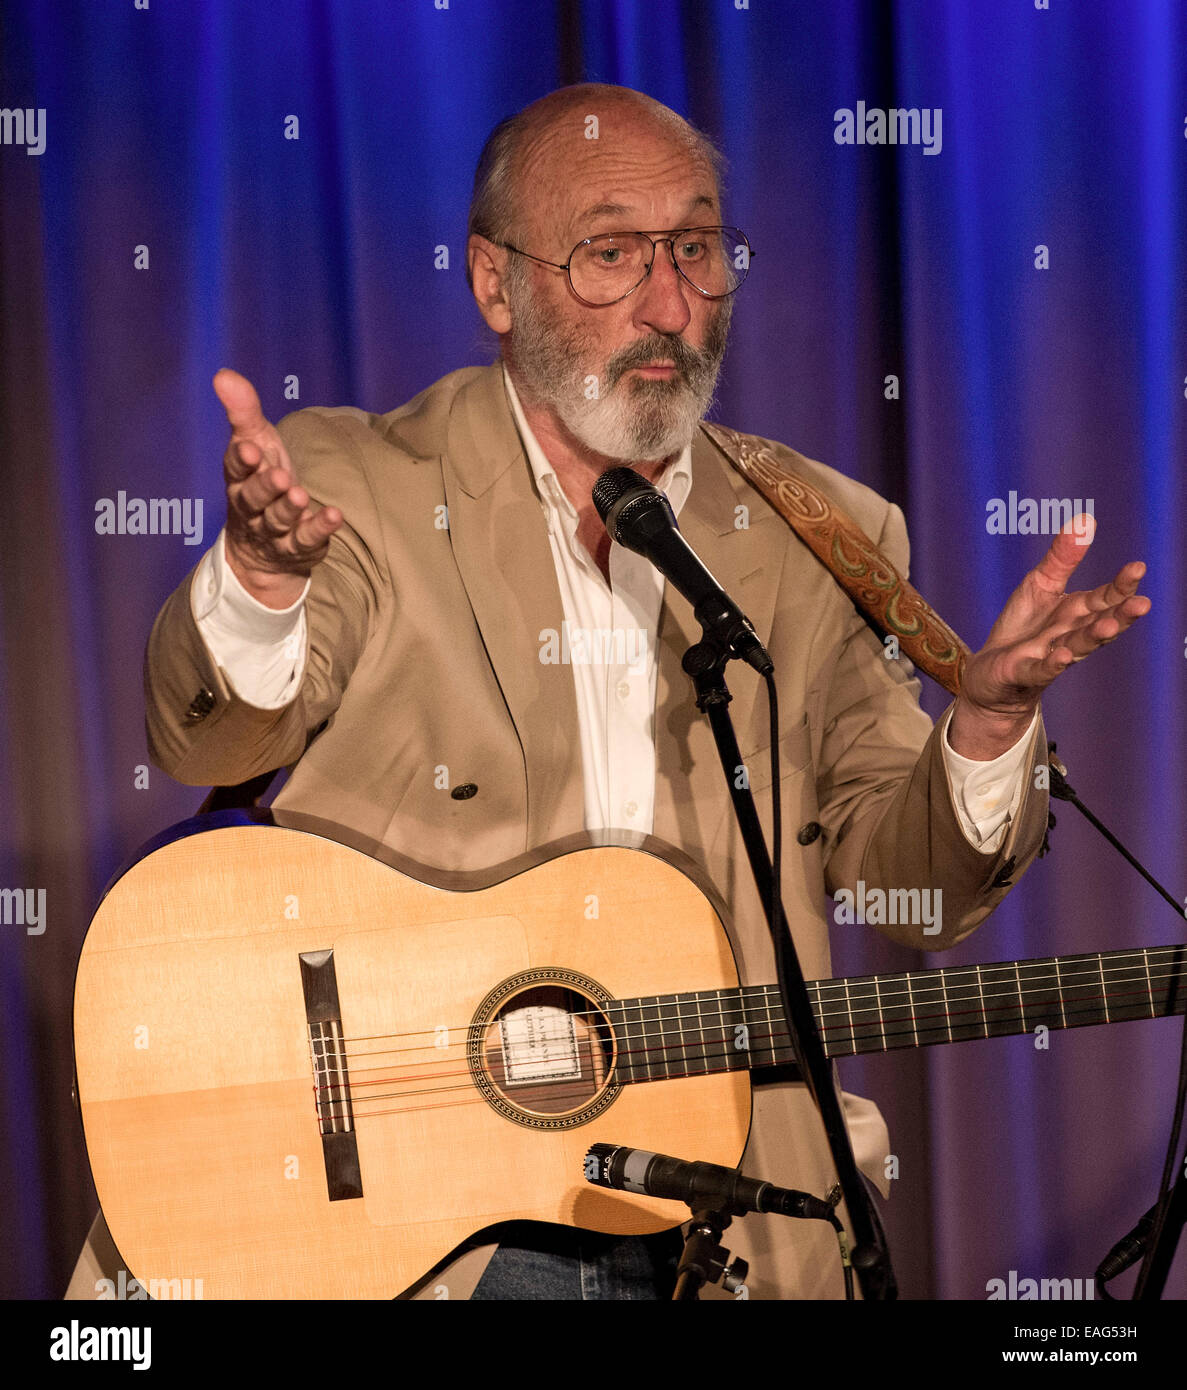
<point x="877" y="588"/>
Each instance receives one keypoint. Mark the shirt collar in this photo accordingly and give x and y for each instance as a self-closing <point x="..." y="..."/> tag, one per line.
<point x="675" y="480"/>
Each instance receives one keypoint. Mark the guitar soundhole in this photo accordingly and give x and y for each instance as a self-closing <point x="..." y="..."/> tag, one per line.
<point x="542" y="1050"/>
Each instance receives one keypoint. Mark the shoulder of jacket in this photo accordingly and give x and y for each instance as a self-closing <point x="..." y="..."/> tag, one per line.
<point x="416" y="428"/>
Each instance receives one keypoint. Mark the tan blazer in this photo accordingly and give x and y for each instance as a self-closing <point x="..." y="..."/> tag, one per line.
<point x="424" y="655"/>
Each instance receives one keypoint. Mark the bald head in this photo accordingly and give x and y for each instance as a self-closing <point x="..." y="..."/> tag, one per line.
<point x="584" y="139"/>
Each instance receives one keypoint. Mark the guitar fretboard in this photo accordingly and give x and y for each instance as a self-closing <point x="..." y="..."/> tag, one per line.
<point x="672" y="1035"/>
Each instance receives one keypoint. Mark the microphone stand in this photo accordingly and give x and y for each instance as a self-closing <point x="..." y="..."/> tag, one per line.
<point x="705" y="662"/>
<point x="1170" y="1211"/>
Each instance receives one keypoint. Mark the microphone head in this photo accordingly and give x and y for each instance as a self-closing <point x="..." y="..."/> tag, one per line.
<point x="613" y="485"/>
<point x="633" y="510"/>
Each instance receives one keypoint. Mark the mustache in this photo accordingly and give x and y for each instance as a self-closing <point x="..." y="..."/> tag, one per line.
<point x="690" y="362"/>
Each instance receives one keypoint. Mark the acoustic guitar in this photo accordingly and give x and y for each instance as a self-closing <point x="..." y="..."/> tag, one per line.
<point x="308" y="1068"/>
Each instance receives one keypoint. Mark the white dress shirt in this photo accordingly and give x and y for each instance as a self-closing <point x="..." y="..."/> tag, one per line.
<point x="609" y="641"/>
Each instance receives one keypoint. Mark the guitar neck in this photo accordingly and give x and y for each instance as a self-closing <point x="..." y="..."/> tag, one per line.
<point x="705" y="1031"/>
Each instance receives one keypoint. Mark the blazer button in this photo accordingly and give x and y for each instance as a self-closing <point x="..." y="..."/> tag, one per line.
<point x="465" y="791"/>
<point x="200" y="706"/>
<point x="809" y="832"/>
<point x="1003" y="879"/>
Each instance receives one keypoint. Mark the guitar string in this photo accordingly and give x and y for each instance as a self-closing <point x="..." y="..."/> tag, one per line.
<point x="841" y="988"/>
<point x="557" y="1090"/>
<point x="578" y="1097"/>
<point x="889" y="1033"/>
<point x="750" y="993"/>
<point x="557" y="1093"/>
<point x="743" y="1009"/>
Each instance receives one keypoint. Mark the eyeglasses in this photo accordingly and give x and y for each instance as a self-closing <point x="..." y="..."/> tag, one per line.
<point x="604" y="269"/>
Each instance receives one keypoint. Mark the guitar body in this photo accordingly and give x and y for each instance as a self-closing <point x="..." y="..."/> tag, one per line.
<point x="235" y="1137"/>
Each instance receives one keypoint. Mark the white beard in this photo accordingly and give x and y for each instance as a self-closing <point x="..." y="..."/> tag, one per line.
<point x="637" y="419"/>
<point x="627" y="426"/>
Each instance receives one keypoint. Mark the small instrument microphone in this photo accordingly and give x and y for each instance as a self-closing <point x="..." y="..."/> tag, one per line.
<point x="698" y="1184"/>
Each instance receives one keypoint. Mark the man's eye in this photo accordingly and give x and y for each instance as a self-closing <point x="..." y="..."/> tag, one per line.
<point x="691" y="250"/>
<point x="610" y="255"/>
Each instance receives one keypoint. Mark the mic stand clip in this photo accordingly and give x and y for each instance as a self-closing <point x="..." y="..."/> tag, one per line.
<point x="704" y="1260"/>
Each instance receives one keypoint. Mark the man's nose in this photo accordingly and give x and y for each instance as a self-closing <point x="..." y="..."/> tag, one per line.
<point x="662" y="299"/>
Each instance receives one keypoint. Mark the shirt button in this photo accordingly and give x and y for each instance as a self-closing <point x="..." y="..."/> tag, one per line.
<point x="631" y="808"/>
<point x="809" y="833"/>
<point x="624" y="689"/>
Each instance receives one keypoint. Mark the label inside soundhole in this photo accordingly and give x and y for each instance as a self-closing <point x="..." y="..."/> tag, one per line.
<point x="548" y="1050"/>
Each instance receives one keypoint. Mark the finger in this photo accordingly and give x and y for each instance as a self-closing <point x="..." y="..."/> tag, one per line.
<point x="243" y="458"/>
<point x="280" y="516"/>
<point x="1037" y="670"/>
<point x="240" y="401"/>
<point x="314" y="531"/>
<point x="261" y="489"/>
<point x="1067" y="550"/>
<point x="1119" y="589"/>
<point x="1084" y="639"/>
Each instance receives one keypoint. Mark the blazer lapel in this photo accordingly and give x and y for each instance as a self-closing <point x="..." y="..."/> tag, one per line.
<point x="500" y="544"/>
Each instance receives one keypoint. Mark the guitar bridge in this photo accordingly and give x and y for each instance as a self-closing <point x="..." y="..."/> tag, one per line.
<point x="331" y="1076"/>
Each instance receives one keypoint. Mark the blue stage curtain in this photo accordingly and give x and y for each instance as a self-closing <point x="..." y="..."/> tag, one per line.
<point x="1022" y="285"/>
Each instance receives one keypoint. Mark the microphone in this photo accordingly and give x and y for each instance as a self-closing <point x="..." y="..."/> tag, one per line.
<point x="639" y="517"/>
<point x="698" y="1184"/>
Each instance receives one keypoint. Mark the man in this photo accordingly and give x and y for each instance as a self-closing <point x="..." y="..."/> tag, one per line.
<point x="384" y="606"/>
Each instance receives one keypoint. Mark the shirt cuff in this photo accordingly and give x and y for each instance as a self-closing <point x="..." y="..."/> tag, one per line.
<point x="986" y="795"/>
<point x="261" y="650"/>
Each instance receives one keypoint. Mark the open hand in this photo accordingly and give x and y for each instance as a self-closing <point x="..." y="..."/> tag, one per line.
<point x="1042" y="630"/>
<point x="274" y="537"/>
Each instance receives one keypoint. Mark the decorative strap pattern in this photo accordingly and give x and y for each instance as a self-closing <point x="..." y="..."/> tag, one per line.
<point x="866" y="575"/>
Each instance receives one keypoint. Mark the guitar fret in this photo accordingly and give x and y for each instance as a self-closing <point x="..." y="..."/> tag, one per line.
<point x="657" y="1050"/>
<point x="704" y="1059"/>
<point x="928" y="1011"/>
<point x="823" y="1027"/>
<point x="626" y="1046"/>
<point x="683" y="1053"/>
<point x="1021" y="1000"/>
<point x="897" y="1008"/>
<point x="735" y="1044"/>
<point x="865" y="1014"/>
<point x="911" y="1009"/>
<point x="734" y="1058"/>
<point x="1104" y="989"/>
<point x="828" y="1015"/>
<point x="1085" y="994"/>
<point x="1149" y="982"/>
<point x="964" y="1002"/>
<point x="878" y="1002"/>
<point x="981" y="1001"/>
<point x="1000" y="1001"/>
<point x="1059" y="991"/>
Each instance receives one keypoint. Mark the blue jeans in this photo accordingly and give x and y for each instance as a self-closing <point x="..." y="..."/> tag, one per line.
<point x="540" y="1262"/>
